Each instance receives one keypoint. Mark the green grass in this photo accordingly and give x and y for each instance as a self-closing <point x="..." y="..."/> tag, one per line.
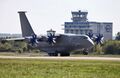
<point x="22" y="68"/>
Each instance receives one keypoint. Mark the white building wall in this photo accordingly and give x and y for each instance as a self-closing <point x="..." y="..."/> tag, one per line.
<point x="93" y="27"/>
<point x="102" y="28"/>
<point x="107" y="31"/>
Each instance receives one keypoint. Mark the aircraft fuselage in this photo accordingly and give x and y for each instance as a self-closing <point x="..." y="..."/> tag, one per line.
<point x="67" y="43"/>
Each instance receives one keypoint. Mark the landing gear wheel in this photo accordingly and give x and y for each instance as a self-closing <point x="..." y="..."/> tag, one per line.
<point x="53" y="54"/>
<point x="65" y="54"/>
<point x="85" y="52"/>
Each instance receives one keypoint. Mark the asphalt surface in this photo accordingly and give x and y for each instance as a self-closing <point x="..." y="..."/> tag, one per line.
<point x="62" y="58"/>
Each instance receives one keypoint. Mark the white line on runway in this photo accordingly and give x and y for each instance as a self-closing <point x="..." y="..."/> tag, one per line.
<point x="62" y="58"/>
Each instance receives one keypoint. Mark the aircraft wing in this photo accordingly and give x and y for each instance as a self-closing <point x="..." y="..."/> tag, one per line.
<point x="13" y="39"/>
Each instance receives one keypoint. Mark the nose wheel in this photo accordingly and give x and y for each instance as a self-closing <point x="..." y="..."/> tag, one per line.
<point x="85" y="51"/>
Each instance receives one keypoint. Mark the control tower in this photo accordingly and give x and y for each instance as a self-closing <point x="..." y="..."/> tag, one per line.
<point x="79" y="16"/>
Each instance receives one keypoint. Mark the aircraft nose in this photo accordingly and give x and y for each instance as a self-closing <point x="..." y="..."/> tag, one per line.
<point x="91" y="43"/>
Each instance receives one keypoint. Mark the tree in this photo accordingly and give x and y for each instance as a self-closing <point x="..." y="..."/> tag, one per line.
<point x="117" y="36"/>
<point x="97" y="49"/>
<point x="20" y="46"/>
<point x="5" y="46"/>
<point x="112" y="47"/>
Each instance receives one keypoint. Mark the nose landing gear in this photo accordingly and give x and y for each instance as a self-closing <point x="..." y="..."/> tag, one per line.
<point x="85" y="51"/>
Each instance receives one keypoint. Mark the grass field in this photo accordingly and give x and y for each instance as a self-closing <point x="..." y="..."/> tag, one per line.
<point x="31" y="68"/>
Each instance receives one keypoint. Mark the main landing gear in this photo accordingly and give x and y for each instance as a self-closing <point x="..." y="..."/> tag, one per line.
<point x="64" y="54"/>
<point x="61" y="54"/>
<point x="53" y="54"/>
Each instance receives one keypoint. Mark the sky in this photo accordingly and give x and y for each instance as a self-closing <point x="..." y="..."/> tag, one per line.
<point x="46" y="14"/>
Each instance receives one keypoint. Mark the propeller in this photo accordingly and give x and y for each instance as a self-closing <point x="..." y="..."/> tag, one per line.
<point x="51" y="39"/>
<point x="99" y="39"/>
<point x="90" y="35"/>
<point x="33" y="40"/>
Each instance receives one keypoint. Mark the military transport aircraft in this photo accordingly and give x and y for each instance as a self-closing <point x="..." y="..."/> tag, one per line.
<point x="52" y="43"/>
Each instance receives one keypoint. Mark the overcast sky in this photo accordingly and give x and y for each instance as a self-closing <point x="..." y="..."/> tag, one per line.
<point x="46" y="14"/>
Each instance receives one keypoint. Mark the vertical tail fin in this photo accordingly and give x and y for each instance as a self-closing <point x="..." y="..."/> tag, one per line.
<point x="25" y="25"/>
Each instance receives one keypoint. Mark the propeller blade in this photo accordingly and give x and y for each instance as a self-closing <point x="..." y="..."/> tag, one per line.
<point x="99" y="39"/>
<point x="51" y="39"/>
<point x="90" y="35"/>
<point x="33" y="40"/>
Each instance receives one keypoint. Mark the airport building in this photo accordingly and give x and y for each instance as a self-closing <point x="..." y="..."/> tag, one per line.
<point x="81" y="25"/>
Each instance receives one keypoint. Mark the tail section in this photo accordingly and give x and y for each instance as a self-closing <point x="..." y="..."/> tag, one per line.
<point x="25" y="25"/>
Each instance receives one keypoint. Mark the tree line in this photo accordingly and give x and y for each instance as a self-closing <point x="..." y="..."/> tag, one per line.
<point x="16" y="46"/>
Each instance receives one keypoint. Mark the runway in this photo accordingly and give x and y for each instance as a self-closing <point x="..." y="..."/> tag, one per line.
<point x="62" y="58"/>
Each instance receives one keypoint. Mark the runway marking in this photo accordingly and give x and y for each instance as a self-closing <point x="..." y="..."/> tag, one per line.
<point x="62" y="58"/>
